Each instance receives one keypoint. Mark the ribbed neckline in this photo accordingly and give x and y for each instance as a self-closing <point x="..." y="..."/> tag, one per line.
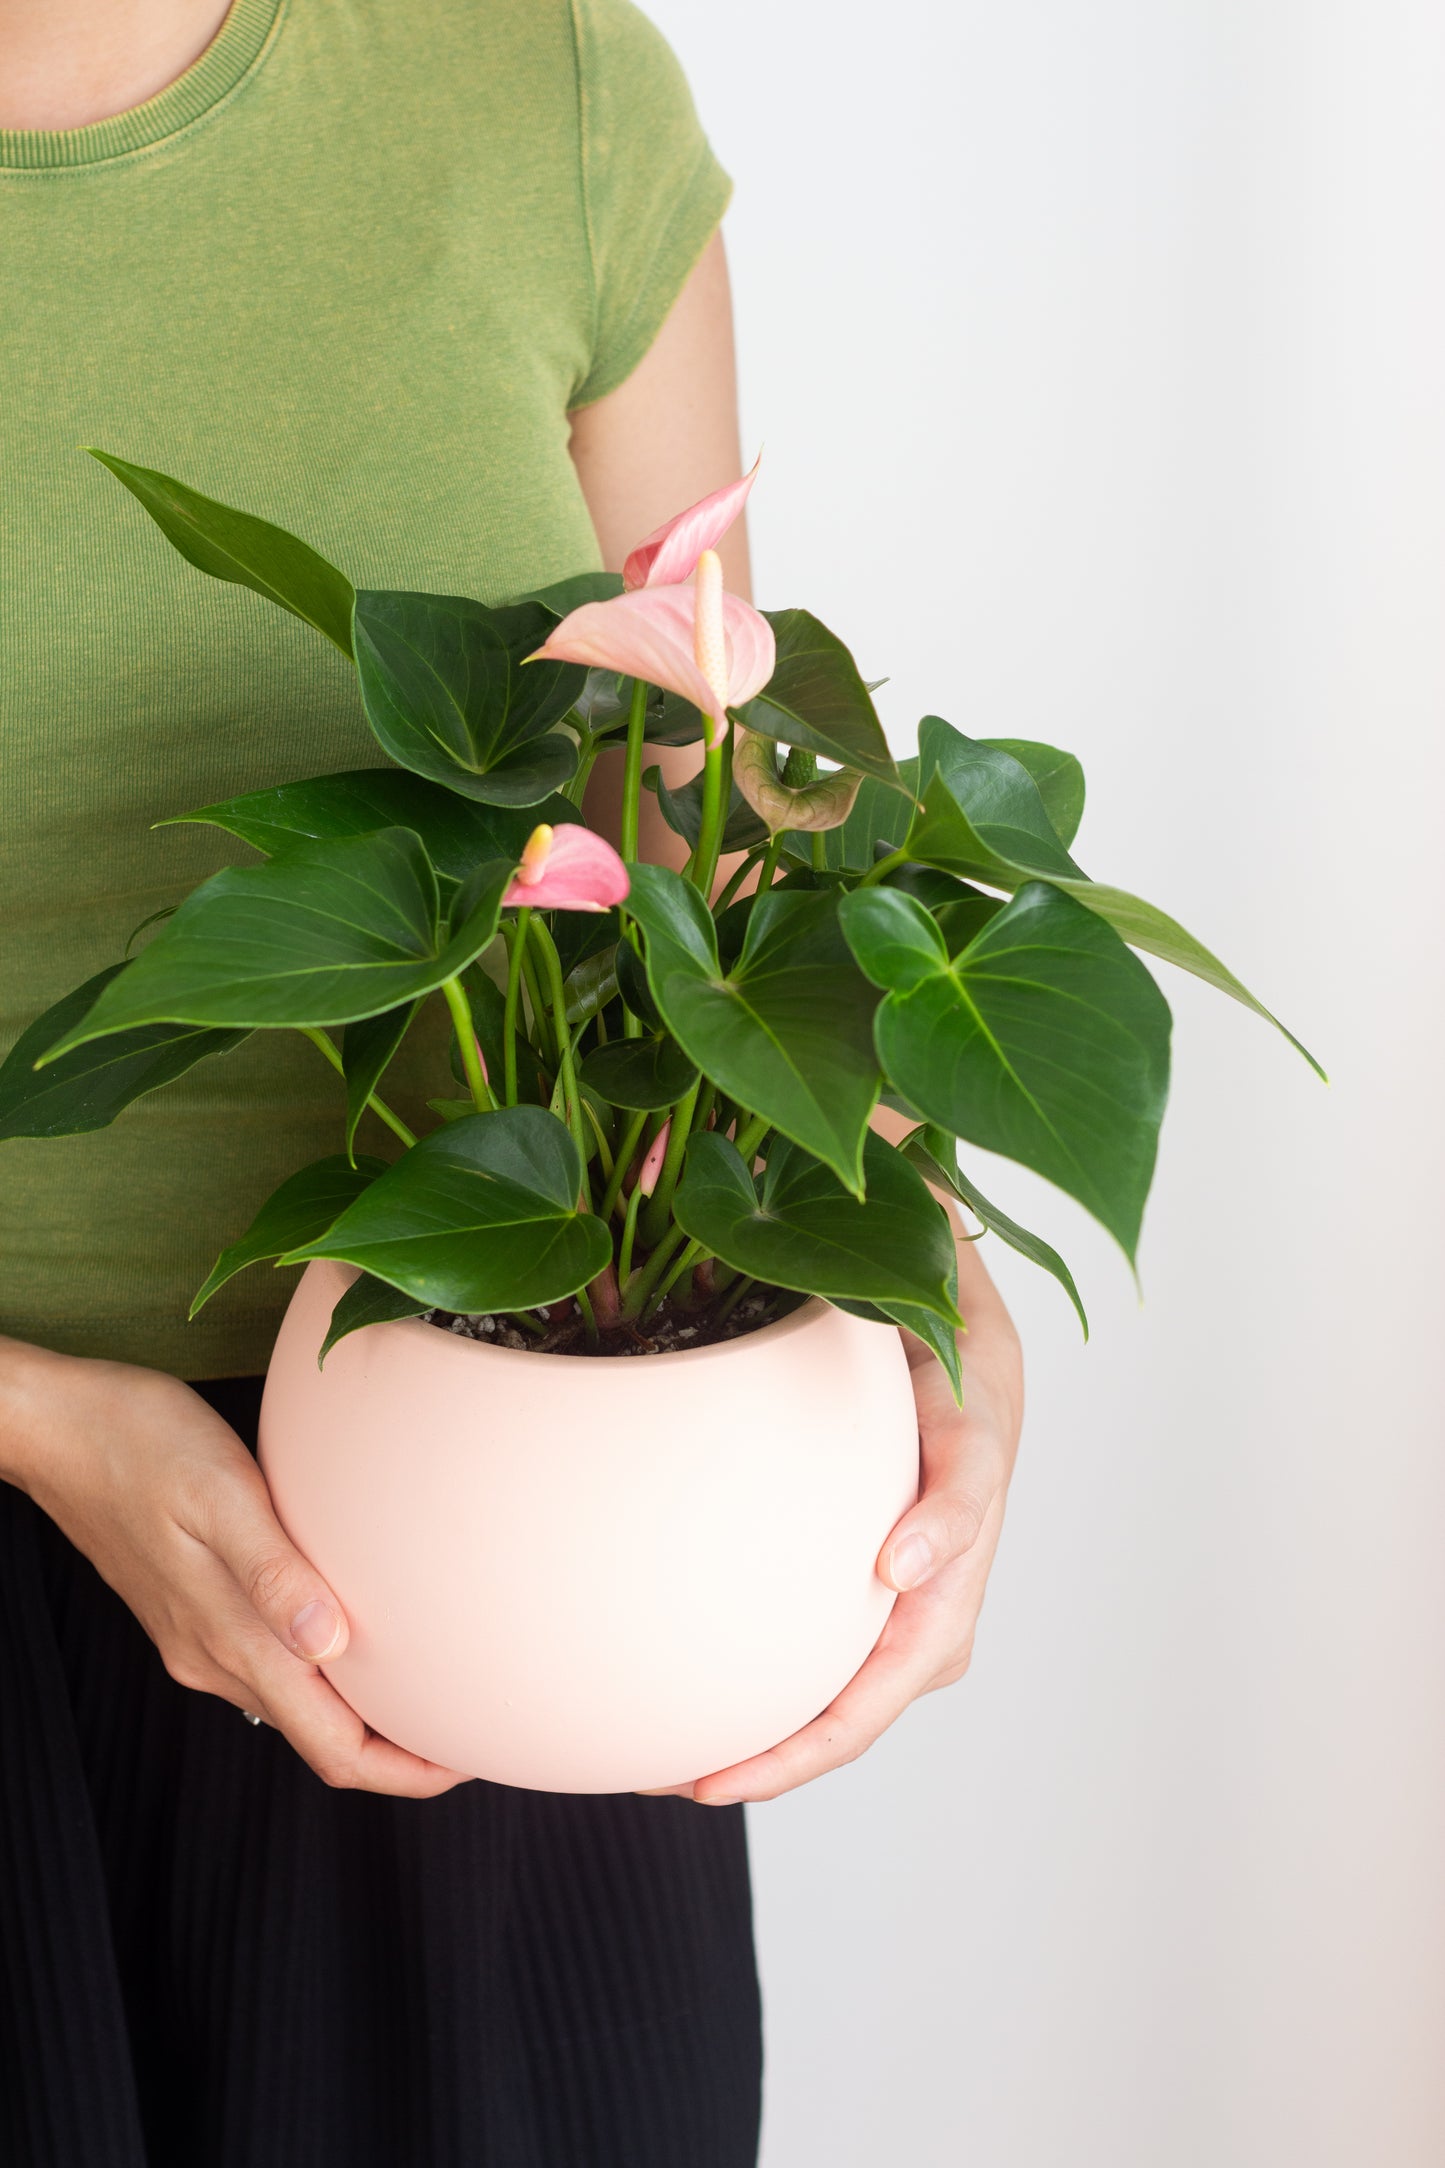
<point x="231" y="54"/>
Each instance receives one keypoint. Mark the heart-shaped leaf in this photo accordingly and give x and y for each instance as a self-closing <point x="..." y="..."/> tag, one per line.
<point x="324" y="934"/>
<point x="368" y="1302"/>
<point x="238" y="547"/>
<point x="643" y="1075"/>
<point x="817" y="701"/>
<point x="682" y="810"/>
<point x="932" y="1152"/>
<point x="482" y="1215"/>
<point x="458" y="832"/>
<point x="367" y="1048"/>
<point x="88" y="1087"/>
<point x="787" y="1031"/>
<point x="449" y="693"/>
<point x="982" y="817"/>
<point x="1058" y="778"/>
<point x="564" y="596"/>
<point x="800" y="1227"/>
<point x="633" y="987"/>
<point x="301" y="1209"/>
<point x="1045" y="1040"/>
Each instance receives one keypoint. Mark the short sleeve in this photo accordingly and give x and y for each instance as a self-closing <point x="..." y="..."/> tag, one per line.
<point x="653" y="192"/>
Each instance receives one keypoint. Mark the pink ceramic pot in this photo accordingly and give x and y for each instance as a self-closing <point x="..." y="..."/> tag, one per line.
<point x="592" y="1575"/>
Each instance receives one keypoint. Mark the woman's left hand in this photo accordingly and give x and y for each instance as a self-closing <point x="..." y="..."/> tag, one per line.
<point x="938" y="1556"/>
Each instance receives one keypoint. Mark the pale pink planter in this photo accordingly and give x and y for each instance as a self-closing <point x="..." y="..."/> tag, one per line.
<point x="592" y="1575"/>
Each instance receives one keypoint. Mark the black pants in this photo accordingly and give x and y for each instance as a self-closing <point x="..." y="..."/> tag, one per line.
<point x="209" y="1960"/>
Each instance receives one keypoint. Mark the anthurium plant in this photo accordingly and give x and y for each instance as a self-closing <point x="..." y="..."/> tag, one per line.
<point x="664" y="1080"/>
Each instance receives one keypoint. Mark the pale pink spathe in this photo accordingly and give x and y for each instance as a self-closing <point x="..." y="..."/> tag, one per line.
<point x="577" y="872"/>
<point x="671" y="551"/>
<point x="650" y="634"/>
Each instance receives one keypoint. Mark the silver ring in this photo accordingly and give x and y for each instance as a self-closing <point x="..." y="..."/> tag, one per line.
<point x="249" y="1718"/>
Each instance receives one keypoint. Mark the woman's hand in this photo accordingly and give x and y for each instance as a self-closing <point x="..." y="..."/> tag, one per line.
<point x="165" y="1501"/>
<point x="938" y="1556"/>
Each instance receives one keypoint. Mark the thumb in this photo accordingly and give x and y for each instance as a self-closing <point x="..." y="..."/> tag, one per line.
<point x="287" y="1592"/>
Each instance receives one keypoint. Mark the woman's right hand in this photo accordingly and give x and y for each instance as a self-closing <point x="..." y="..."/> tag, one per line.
<point x="167" y="1504"/>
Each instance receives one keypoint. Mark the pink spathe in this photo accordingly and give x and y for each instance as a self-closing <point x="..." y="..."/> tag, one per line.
<point x="650" y="635"/>
<point x="568" y="869"/>
<point x="592" y="1574"/>
<point x="670" y="553"/>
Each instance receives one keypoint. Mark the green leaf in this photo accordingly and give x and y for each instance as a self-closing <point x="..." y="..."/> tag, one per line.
<point x="1047" y="1041"/>
<point x="238" y="547"/>
<point x="894" y="938"/>
<point x="801" y="1228"/>
<point x="87" y="1088"/>
<point x="682" y="810"/>
<point x="787" y="1031"/>
<point x="450" y="694"/>
<point x="633" y="987"/>
<point x="301" y="1209"/>
<point x="458" y="832"/>
<point x="564" y="596"/>
<point x="643" y="1075"/>
<point x="932" y="1152"/>
<point x="817" y="701"/>
<point x="877" y="825"/>
<point x="934" y="1332"/>
<point x="322" y="935"/>
<point x="983" y="818"/>
<point x="482" y="1215"/>
<point x="368" y="1302"/>
<point x="367" y="1048"/>
<point x="1058" y="778"/>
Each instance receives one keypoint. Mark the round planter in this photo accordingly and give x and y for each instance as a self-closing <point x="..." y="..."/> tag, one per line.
<point x="592" y="1575"/>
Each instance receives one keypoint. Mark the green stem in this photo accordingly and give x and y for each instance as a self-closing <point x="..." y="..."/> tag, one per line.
<point x="626" y="1150"/>
<point x="820" y="852"/>
<point x="629" y="1237"/>
<point x="771" y="856"/>
<point x="632" y="769"/>
<point x="644" y="1280"/>
<point x="516" y="940"/>
<point x="587" y="751"/>
<point x="735" y="882"/>
<point x="482" y="1096"/>
<point x="379" y="1106"/>
<point x="566" y="1069"/>
<point x="692" y="1255"/>
<point x="540" y="1021"/>
<point x="659" y="1205"/>
<point x="884" y="866"/>
<point x="714" y="799"/>
<point x="604" y="1149"/>
<point x="528" y="1323"/>
<point x="749" y="1137"/>
<point x="589" y="1315"/>
<point x="732" y="1298"/>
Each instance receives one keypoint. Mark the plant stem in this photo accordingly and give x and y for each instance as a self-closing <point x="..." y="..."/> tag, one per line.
<point x="632" y="768"/>
<point x="659" y="1205"/>
<point x="604" y="1149"/>
<point x="625" y="1152"/>
<point x="735" y="882"/>
<point x="528" y="1323"/>
<point x="692" y="1255"/>
<point x="732" y="1298"/>
<point x="645" y="1279"/>
<point x="820" y="852"/>
<point x="540" y="1020"/>
<point x="771" y="856"/>
<point x="482" y="1096"/>
<point x="714" y="800"/>
<point x="589" y="1315"/>
<point x="516" y="940"/>
<point x="629" y="1237"/>
<point x="394" y="1122"/>
<point x="749" y="1137"/>
<point x="566" y="1069"/>
<point x="884" y="866"/>
<point x="587" y="752"/>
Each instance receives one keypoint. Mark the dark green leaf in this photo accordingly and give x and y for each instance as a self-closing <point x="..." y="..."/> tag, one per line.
<point x="449" y="692"/>
<point x="816" y="700"/>
<point x="1058" y="778"/>
<point x="367" y="1302"/>
<point x="301" y="1209"/>
<point x="1047" y="1041"/>
<point x="564" y="596"/>
<point x="482" y="1215"/>
<point x="88" y="1087"/>
<point x="633" y="987"/>
<point x="787" y="1032"/>
<point x="238" y="547"/>
<point x="932" y="1152"/>
<point x="803" y="1229"/>
<point x="935" y="1332"/>
<point x="682" y="810"/>
<point x="322" y="935"/>
<point x="367" y="1047"/>
<point x="877" y="825"/>
<point x="643" y="1075"/>
<point x="458" y="832"/>
<point x="590" y="987"/>
<point x="894" y="939"/>
<point x="983" y="818"/>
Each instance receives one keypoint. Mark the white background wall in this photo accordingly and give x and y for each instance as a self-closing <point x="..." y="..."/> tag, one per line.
<point x="1099" y="351"/>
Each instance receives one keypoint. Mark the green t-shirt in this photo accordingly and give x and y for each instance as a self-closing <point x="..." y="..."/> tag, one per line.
<point x="351" y="271"/>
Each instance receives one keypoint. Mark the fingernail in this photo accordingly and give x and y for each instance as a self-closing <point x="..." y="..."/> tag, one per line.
<point x="910" y="1561"/>
<point x="713" y="1802"/>
<point x="316" y="1630"/>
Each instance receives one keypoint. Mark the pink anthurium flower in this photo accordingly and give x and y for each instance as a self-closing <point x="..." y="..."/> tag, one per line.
<point x="656" y="1154"/>
<point x="568" y="869"/>
<point x="671" y="551"/>
<point x="712" y="648"/>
